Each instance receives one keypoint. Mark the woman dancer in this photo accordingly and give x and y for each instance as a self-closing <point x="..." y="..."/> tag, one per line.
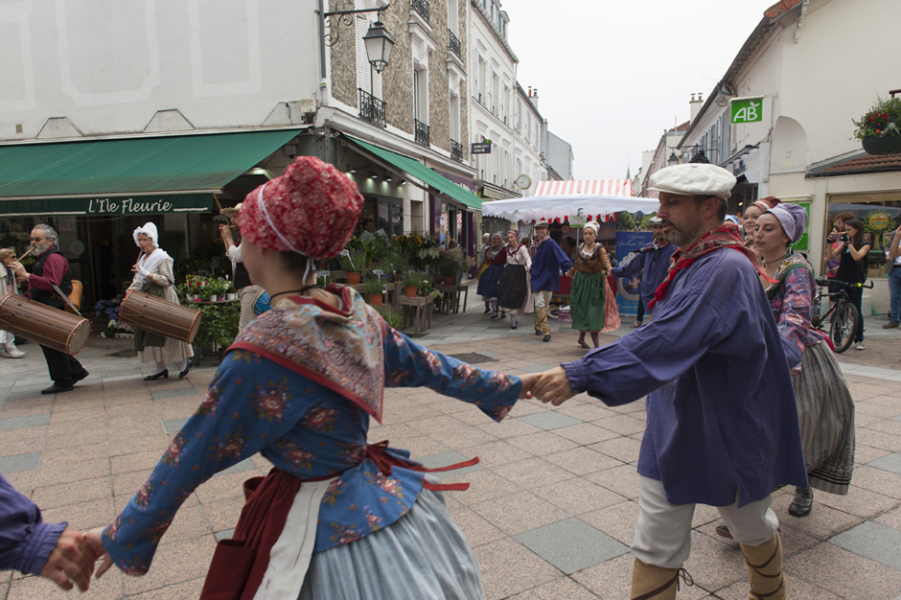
<point x="154" y="276"/>
<point x="514" y="293"/>
<point x="752" y="213"/>
<point x="488" y="282"/>
<point x="590" y="269"/>
<point x="825" y="407"/>
<point x="8" y="286"/>
<point x="852" y="268"/>
<point x="336" y="517"/>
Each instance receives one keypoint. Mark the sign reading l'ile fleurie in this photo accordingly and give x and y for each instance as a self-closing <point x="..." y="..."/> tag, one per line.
<point x="747" y="110"/>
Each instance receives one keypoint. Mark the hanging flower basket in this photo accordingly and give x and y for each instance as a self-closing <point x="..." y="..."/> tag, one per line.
<point x="878" y="129"/>
<point x="882" y="145"/>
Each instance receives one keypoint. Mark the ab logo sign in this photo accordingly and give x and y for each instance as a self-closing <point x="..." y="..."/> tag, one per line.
<point x="747" y="110"/>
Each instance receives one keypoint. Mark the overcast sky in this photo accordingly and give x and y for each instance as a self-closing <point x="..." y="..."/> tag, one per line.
<point x="612" y="75"/>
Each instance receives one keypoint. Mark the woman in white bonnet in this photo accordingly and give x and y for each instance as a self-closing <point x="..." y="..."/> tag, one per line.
<point x="154" y="275"/>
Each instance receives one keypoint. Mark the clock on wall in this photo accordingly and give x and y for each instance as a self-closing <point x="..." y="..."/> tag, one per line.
<point x="523" y="182"/>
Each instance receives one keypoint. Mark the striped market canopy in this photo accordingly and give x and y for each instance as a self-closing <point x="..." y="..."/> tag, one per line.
<point x="604" y="187"/>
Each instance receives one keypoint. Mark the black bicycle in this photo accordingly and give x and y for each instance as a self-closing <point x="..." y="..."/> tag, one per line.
<point x="843" y="315"/>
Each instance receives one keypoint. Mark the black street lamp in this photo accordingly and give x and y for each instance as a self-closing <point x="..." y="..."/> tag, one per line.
<point x="673" y="160"/>
<point x="378" y="43"/>
<point x="378" y="46"/>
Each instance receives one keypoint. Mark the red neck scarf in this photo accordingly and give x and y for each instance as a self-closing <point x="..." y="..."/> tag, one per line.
<point x="727" y="236"/>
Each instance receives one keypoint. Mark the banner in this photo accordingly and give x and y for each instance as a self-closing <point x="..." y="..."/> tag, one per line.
<point x="747" y="110"/>
<point x="628" y="295"/>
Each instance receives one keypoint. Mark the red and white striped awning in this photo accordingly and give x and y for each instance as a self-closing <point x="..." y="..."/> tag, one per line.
<point x="602" y="187"/>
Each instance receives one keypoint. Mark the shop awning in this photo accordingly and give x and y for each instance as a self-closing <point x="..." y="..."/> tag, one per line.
<point x="602" y="187"/>
<point x="177" y="170"/>
<point x="423" y="173"/>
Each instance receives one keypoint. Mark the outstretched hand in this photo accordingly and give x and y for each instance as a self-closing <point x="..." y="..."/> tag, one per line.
<point x="71" y="561"/>
<point x="552" y="386"/>
<point x="93" y="538"/>
<point x="527" y="382"/>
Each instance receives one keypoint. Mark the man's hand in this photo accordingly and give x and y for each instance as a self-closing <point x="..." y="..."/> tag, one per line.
<point x="553" y="386"/>
<point x="71" y="561"/>
<point x="226" y="233"/>
<point x="18" y="269"/>
<point x="93" y="538"/>
<point x="527" y="382"/>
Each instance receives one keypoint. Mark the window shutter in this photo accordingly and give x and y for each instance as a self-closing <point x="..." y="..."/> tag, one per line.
<point x="364" y="69"/>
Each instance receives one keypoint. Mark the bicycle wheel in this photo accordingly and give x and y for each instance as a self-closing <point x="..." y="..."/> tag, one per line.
<point x="844" y="325"/>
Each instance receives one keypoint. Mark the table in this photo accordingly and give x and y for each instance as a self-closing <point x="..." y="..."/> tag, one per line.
<point x="423" y="305"/>
<point x="451" y="293"/>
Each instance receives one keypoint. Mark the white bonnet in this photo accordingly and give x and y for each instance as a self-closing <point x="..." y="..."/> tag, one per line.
<point x="593" y="225"/>
<point x="148" y="229"/>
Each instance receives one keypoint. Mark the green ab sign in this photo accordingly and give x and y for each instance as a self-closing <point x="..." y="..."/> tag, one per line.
<point x="747" y="110"/>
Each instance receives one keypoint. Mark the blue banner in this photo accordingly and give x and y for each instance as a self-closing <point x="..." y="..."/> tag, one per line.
<point x="628" y="295"/>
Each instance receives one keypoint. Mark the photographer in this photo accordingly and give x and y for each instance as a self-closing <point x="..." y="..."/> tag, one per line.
<point x="832" y="264"/>
<point x="893" y="270"/>
<point x="853" y="264"/>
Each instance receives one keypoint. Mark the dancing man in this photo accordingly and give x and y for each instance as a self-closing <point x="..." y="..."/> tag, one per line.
<point x="547" y="260"/>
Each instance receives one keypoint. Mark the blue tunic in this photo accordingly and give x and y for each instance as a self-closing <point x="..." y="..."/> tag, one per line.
<point x="652" y="265"/>
<point x="547" y="262"/>
<point x="25" y="540"/>
<point x="721" y="408"/>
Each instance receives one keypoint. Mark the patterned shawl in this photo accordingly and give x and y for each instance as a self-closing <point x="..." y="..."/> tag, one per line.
<point x="341" y="349"/>
<point x="727" y="236"/>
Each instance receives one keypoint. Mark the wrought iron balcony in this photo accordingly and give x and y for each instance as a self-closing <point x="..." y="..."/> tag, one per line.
<point x="456" y="150"/>
<point x="422" y="7"/>
<point x="453" y="43"/>
<point x="371" y="108"/>
<point x="422" y="132"/>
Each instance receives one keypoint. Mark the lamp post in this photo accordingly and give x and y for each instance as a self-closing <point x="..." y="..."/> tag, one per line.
<point x="378" y="42"/>
<point x="673" y="160"/>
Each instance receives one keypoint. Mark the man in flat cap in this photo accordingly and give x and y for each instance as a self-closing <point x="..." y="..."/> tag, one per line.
<point x="548" y="259"/>
<point x="651" y="265"/>
<point x="722" y="427"/>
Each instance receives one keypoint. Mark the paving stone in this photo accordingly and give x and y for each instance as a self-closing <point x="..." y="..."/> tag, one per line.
<point x="20" y="462"/>
<point x="176" y="393"/>
<point x="891" y="462"/>
<point x="224" y="535"/>
<point x="898" y="418"/>
<point x="19" y="422"/>
<point x="550" y="420"/>
<point x="571" y="545"/>
<point x="874" y="541"/>
<point x="173" y="425"/>
<point x="444" y="459"/>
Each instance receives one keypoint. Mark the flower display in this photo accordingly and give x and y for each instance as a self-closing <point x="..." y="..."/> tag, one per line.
<point x="880" y="121"/>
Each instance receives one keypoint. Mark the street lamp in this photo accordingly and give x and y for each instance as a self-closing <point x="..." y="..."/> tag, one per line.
<point x="378" y="46"/>
<point x="673" y="160"/>
<point x="378" y="43"/>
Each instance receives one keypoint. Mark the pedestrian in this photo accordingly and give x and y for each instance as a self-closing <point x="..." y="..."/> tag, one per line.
<point x="834" y="242"/>
<point x="49" y="284"/>
<point x="548" y="259"/>
<point x="247" y="292"/>
<point x="722" y="427"/>
<point x="650" y="265"/>
<point x="154" y="275"/>
<point x="496" y="257"/>
<point x="588" y="295"/>
<point x="752" y="213"/>
<point x="50" y="550"/>
<point x="825" y="407"/>
<point x="337" y="517"/>
<point x="853" y="265"/>
<point x="514" y="294"/>
<point x="483" y="264"/>
<point x="893" y="272"/>
<point x="8" y="285"/>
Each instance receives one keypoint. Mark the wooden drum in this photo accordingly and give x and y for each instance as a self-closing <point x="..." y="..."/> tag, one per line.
<point x="159" y="316"/>
<point x="43" y="324"/>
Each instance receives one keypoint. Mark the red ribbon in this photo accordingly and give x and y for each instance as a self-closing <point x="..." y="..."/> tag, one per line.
<point x="384" y="460"/>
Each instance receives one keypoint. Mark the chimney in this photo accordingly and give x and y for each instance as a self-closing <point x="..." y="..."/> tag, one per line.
<point x="695" y="106"/>
<point x="533" y="95"/>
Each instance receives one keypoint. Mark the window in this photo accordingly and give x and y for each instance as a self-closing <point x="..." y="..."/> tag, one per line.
<point x="480" y="81"/>
<point x="505" y="104"/>
<point x="455" y="116"/>
<point x="421" y="95"/>
<point x="453" y="16"/>
<point x="494" y="93"/>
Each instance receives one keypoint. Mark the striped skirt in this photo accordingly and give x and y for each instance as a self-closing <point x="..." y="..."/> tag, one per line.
<point x="826" y="415"/>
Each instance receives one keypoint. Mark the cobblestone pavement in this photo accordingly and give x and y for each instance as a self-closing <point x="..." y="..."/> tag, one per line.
<point x="552" y="506"/>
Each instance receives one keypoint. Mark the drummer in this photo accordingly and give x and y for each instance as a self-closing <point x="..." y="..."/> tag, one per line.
<point x="47" y="282"/>
<point x="247" y="292"/>
<point x="154" y="275"/>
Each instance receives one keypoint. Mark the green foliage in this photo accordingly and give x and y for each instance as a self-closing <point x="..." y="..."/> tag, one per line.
<point x="391" y="316"/>
<point x="219" y="323"/>
<point x="881" y="120"/>
<point x="646" y="221"/>
<point x="453" y="261"/>
<point x="373" y="286"/>
<point x="354" y="262"/>
<point x="625" y="221"/>
<point x="412" y="278"/>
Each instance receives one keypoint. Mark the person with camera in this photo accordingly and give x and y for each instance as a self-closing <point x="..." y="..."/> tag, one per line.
<point x="893" y="271"/>
<point x="852" y="267"/>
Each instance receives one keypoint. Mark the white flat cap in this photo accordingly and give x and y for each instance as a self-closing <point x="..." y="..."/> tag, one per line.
<point x="694" y="179"/>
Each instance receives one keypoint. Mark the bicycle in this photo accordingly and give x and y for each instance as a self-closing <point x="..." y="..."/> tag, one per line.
<point x="843" y="315"/>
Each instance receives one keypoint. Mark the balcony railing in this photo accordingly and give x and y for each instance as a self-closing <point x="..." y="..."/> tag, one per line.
<point x="371" y="108"/>
<point x="422" y="132"/>
<point x="453" y="43"/>
<point x="456" y="150"/>
<point x="422" y="7"/>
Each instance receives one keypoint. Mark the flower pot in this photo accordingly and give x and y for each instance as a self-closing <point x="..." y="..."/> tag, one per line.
<point x="452" y="280"/>
<point x="353" y="278"/>
<point x="231" y="296"/>
<point x="375" y="299"/>
<point x="410" y="290"/>
<point x="882" y="145"/>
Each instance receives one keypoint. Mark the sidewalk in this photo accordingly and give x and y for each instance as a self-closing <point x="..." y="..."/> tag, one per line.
<point x="552" y="505"/>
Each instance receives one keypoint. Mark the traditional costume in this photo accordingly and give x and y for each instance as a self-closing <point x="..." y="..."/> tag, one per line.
<point x="25" y="539"/>
<point x="490" y="278"/>
<point x="548" y="260"/>
<point x="514" y="295"/>
<point x="337" y="517"/>
<point x="588" y="295"/>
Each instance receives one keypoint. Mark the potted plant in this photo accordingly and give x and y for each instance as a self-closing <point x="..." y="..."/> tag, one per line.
<point x="879" y="129"/>
<point x="393" y="318"/>
<point x="352" y="263"/>
<point x="453" y="263"/>
<point x="412" y="281"/>
<point x="374" y="289"/>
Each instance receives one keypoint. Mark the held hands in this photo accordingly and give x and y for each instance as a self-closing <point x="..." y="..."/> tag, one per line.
<point x="94" y="538"/>
<point x="551" y="386"/>
<point x="72" y="560"/>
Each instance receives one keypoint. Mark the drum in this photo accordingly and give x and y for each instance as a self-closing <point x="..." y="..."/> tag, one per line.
<point x="261" y="303"/>
<point x="159" y="316"/>
<point x="43" y="324"/>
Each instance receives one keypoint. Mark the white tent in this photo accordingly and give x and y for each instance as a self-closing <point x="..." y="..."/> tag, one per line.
<point x="547" y="208"/>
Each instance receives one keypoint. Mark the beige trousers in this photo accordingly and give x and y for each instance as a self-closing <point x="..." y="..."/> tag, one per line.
<point x="542" y="303"/>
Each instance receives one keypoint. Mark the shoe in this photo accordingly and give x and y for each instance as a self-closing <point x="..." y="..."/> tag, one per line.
<point x="859" y="346"/>
<point x="890" y="325"/>
<point x="723" y="531"/>
<point x="584" y="345"/>
<point x="503" y="314"/>
<point x="7" y="352"/>
<point x="802" y="502"/>
<point x="487" y="310"/>
<point x="76" y="377"/>
<point x="57" y="389"/>
<point x="537" y="332"/>
<point x="513" y="323"/>
<point x="636" y="325"/>
<point x="494" y="316"/>
<point x="546" y="338"/>
<point x="187" y="370"/>
<point x="164" y="374"/>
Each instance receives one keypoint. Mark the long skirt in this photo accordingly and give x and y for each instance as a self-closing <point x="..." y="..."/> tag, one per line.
<point x="514" y="294"/>
<point x="611" y="309"/>
<point x="422" y="555"/>
<point x="489" y="280"/>
<point x="826" y="415"/>
<point x="586" y="301"/>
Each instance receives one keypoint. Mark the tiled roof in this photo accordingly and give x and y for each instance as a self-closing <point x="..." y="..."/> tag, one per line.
<point x="780" y="7"/>
<point x="866" y="163"/>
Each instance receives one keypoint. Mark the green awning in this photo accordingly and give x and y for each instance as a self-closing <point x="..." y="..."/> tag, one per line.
<point x="140" y="166"/>
<point x="424" y="174"/>
<point x="109" y="206"/>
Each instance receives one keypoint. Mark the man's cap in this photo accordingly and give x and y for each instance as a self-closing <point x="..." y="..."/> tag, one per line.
<point x="655" y="221"/>
<point x="694" y="180"/>
<point x="541" y="224"/>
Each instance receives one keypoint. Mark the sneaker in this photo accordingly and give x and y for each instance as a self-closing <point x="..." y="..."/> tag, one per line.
<point x="890" y="325"/>
<point x="12" y="353"/>
<point x="859" y="346"/>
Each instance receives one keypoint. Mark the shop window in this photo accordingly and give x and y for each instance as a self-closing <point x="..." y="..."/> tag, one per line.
<point x="881" y="217"/>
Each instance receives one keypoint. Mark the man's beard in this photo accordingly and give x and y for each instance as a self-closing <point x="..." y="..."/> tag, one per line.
<point x="684" y="234"/>
<point x="40" y="249"/>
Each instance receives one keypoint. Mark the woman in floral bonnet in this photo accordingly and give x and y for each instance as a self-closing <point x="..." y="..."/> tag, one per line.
<point x="337" y="517"/>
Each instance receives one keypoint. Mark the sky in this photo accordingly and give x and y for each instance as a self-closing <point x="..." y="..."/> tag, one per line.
<point x="613" y="75"/>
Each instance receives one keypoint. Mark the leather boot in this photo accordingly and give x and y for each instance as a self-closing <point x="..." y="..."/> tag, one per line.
<point x="765" y="569"/>
<point x="653" y="583"/>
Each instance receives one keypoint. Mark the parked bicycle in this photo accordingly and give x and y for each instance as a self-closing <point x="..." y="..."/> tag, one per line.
<point x="843" y="315"/>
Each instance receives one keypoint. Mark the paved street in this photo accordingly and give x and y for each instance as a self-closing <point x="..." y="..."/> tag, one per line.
<point x="552" y="506"/>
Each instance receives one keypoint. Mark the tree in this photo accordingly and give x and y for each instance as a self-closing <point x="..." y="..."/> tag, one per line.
<point x="624" y="221"/>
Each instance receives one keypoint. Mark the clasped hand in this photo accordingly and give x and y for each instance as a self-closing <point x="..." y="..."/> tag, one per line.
<point x="551" y="386"/>
<point x="72" y="559"/>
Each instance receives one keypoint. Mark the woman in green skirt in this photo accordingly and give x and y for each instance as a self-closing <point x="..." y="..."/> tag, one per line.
<point x="590" y="269"/>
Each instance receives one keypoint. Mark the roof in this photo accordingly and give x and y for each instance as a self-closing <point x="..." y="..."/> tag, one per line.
<point x="604" y="187"/>
<point x="866" y="163"/>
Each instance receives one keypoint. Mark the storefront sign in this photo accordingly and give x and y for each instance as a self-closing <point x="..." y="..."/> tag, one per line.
<point x="480" y="148"/>
<point x="747" y="110"/>
<point x="122" y="206"/>
<point x="803" y="244"/>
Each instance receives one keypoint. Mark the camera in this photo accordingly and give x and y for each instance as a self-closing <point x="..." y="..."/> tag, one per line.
<point x="844" y="238"/>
